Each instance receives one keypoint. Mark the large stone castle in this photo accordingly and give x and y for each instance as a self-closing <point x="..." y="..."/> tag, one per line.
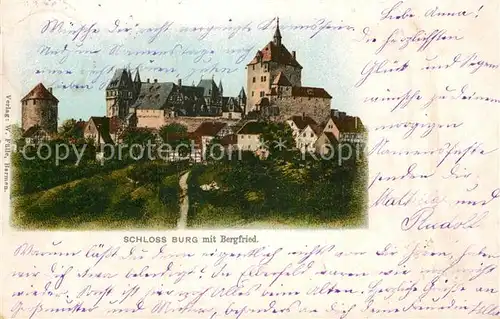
<point x="274" y="87"/>
<point x="273" y="84"/>
<point x="152" y="104"/>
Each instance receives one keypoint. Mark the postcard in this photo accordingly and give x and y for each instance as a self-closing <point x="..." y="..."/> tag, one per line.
<point x="236" y="159"/>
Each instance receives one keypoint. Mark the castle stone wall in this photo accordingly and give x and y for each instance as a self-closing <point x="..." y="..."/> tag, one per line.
<point x="40" y="112"/>
<point x="316" y="108"/>
<point x="192" y="123"/>
<point x="155" y="119"/>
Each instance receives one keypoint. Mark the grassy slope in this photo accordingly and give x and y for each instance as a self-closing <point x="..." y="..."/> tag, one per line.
<point x="209" y="210"/>
<point x="107" y="201"/>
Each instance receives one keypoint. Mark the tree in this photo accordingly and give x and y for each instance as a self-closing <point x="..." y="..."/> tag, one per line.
<point x="16" y="132"/>
<point x="172" y="128"/>
<point x="70" y="130"/>
<point x="134" y="137"/>
<point x="176" y="136"/>
<point x="279" y="139"/>
<point x="141" y="136"/>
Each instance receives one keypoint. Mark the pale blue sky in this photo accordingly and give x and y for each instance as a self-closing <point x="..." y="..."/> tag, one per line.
<point x="325" y="59"/>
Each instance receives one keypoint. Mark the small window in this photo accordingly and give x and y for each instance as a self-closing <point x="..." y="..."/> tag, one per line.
<point x="252" y="93"/>
<point x="312" y="135"/>
<point x="261" y="93"/>
<point x="265" y="78"/>
<point x="253" y="67"/>
<point x="253" y="79"/>
<point x="34" y="102"/>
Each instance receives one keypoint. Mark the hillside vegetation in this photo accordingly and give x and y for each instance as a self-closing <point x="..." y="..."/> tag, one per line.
<point x="278" y="193"/>
<point x="143" y="195"/>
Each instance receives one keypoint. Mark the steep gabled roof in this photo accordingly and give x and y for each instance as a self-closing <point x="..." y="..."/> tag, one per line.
<point x="242" y="94"/>
<point x="316" y="129"/>
<point x="209" y="86"/>
<point x="39" y="92"/>
<point x="302" y="121"/>
<point x="192" y="92"/>
<point x="252" y="127"/>
<point x="275" y="53"/>
<point x="121" y="79"/>
<point x="304" y="91"/>
<point x="281" y="80"/>
<point x="154" y="95"/>
<point x="330" y="137"/>
<point x="230" y="104"/>
<point x="209" y="128"/>
<point x="349" y="124"/>
<point x="102" y="126"/>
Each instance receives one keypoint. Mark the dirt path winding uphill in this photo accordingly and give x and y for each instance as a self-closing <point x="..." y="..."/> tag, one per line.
<point x="184" y="201"/>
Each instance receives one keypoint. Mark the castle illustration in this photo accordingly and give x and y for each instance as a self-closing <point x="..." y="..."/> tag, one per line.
<point x="274" y="86"/>
<point x="274" y="92"/>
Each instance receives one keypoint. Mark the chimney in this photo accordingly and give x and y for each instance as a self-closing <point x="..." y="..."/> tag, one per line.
<point x="147" y="81"/>
<point x="179" y="82"/>
<point x="294" y="54"/>
<point x="50" y="90"/>
<point x="156" y="80"/>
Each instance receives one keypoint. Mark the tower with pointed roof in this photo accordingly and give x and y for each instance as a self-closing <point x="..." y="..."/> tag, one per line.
<point x="120" y="93"/>
<point x="137" y="84"/>
<point x="269" y="62"/>
<point x="277" y="33"/>
<point x="40" y="109"/>
<point x="221" y="89"/>
<point x="242" y="99"/>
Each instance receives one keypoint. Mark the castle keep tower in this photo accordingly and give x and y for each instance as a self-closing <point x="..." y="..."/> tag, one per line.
<point x="262" y="71"/>
<point x="39" y="108"/>
<point x="121" y="93"/>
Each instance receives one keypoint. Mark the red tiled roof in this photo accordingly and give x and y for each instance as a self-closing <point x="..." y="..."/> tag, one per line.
<point x="316" y="129"/>
<point x="304" y="91"/>
<point x="209" y="128"/>
<point x="80" y="124"/>
<point x="39" y="92"/>
<point x="281" y="80"/>
<point x="196" y="138"/>
<point x="272" y="52"/>
<point x="302" y="121"/>
<point x="115" y="124"/>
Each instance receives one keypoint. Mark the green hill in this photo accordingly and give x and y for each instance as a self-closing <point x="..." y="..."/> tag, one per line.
<point x="277" y="194"/>
<point x="120" y="199"/>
